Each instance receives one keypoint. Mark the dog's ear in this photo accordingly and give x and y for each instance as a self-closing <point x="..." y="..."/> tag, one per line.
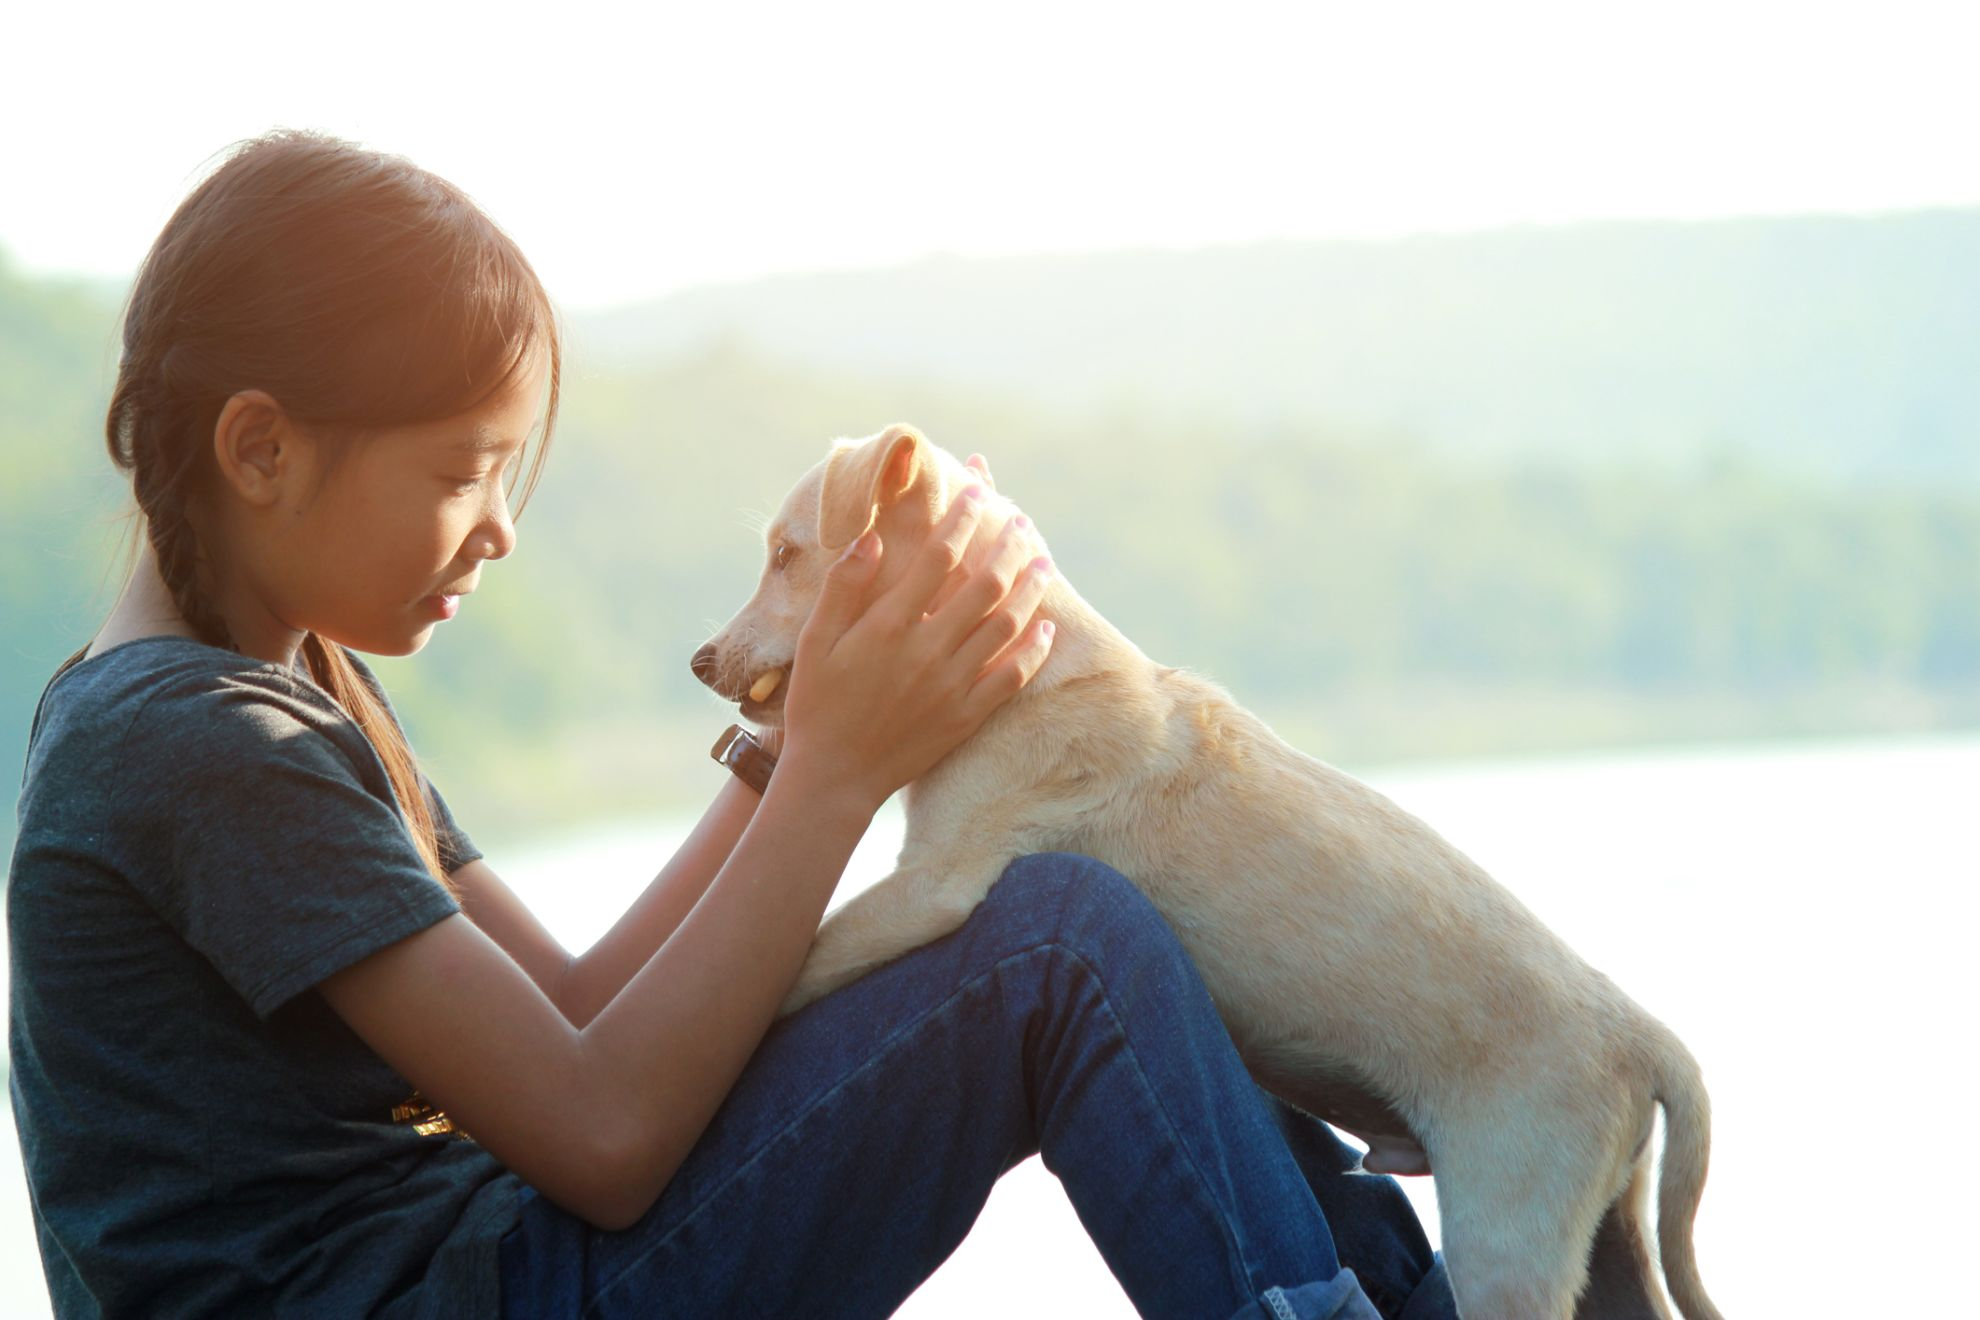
<point x="893" y="467"/>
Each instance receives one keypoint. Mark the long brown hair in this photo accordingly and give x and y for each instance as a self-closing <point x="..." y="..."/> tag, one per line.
<point x="360" y="292"/>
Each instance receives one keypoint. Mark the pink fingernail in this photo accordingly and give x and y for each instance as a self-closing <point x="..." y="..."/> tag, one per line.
<point x="1042" y="564"/>
<point x="1023" y="521"/>
<point x="972" y="493"/>
<point x="1045" y="630"/>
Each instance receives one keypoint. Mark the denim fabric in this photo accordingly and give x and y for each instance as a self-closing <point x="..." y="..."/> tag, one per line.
<point x="1063" y="1018"/>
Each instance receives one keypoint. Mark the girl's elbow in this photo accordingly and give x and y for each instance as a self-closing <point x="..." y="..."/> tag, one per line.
<point x="627" y="1172"/>
<point x="615" y="1217"/>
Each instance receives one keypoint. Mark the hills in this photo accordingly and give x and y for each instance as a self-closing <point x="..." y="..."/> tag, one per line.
<point x="1836" y="346"/>
<point x="1441" y="497"/>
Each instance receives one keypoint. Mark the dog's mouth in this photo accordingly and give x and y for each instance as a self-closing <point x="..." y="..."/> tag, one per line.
<point x="765" y="696"/>
<point x="761" y="698"/>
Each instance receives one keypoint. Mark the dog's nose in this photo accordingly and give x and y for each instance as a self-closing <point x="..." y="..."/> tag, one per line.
<point x="703" y="664"/>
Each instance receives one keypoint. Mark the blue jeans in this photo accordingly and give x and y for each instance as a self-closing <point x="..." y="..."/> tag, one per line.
<point x="1063" y="1018"/>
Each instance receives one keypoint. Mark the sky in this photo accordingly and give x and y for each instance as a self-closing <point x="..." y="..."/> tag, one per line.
<point x="633" y="152"/>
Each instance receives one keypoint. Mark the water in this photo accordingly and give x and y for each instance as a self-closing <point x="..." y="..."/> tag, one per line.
<point x="1801" y="915"/>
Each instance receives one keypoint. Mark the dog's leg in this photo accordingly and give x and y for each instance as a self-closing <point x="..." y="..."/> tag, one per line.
<point x="1521" y="1195"/>
<point x="919" y="903"/>
<point x="1622" y="1273"/>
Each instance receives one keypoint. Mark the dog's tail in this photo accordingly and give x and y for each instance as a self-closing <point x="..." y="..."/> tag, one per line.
<point x="1681" y="1176"/>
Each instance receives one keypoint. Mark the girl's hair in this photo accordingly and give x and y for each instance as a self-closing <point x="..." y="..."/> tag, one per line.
<point x="359" y="291"/>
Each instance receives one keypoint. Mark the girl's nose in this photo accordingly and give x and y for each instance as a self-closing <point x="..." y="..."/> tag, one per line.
<point x="498" y="537"/>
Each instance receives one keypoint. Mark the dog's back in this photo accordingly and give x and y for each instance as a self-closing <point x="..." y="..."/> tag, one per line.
<point x="1350" y="946"/>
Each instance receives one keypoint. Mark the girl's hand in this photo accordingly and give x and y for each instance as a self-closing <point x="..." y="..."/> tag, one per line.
<point x="879" y="694"/>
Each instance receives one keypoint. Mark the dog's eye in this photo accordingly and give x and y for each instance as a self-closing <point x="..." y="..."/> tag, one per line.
<point x="783" y="556"/>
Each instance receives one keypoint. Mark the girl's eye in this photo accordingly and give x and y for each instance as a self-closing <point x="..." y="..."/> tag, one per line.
<point x="468" y="485"/>
<point x="783" y="556"/>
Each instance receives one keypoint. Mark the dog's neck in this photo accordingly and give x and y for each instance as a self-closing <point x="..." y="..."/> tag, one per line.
<point x="1082" y="642"/>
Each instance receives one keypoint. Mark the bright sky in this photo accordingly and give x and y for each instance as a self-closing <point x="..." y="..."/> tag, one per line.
<point x="633" y="150"/>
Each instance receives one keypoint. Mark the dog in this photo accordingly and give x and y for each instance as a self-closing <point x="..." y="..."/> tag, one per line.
<point x="1369" y="972"/>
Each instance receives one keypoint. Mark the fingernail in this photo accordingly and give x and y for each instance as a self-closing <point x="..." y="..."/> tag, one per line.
<point x="1045" y="630"/>
<point x="1041" y="565"/>
<point x="864" y="547"/>
<point x="971" y="494"/>
<point x="1023" y="521"/>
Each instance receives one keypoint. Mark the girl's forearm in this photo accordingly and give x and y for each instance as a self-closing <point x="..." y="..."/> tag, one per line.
<point x="596" y="976"/>
<point x="663" y="1054"/>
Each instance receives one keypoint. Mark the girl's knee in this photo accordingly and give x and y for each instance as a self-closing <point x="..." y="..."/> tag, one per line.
<point x="1055" y="881"/>
<point x="1099" y="935"/>
<point x="1087" y="904"/>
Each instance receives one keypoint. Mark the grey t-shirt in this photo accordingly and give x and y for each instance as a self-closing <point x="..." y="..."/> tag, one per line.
<point x="204" y="837"/>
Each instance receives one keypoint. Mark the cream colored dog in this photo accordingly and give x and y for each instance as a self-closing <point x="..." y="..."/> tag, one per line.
<point x="1369" y="972"/>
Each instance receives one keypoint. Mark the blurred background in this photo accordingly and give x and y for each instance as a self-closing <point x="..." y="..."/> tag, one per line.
<point x="1564" y="417"/>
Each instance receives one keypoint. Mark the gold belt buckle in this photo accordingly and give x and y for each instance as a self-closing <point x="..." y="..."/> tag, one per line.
<point x="425" y="1119"/>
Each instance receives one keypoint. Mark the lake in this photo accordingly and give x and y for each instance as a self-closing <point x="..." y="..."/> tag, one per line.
<point x="1801" y="915"/>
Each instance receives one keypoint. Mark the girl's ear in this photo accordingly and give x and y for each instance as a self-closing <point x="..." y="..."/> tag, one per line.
<point x="862" y="478"/>
<point x="254" y="446"/>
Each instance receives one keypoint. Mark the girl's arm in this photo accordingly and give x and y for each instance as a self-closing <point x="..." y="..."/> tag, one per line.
<point x="598" y="1118"/>
<point x="581" y="986"/>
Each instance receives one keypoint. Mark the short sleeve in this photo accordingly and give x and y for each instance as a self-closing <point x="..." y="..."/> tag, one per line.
<point x="267" y="835"/>
<point x="456" y="849"/>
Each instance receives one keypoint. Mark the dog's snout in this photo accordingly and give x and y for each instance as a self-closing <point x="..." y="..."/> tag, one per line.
<point x="703" y="664"/>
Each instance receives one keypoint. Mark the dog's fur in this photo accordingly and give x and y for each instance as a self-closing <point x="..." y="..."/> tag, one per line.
<point x="1369" y="972"/>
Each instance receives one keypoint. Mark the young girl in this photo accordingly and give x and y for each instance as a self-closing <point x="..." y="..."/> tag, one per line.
<point x="283" y="1042"/>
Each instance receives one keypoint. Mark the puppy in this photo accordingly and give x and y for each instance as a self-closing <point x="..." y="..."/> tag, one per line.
<point x="1369" y="972"/>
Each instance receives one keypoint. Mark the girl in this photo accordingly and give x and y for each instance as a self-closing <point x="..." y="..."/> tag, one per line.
<point x="283" y="1042"/>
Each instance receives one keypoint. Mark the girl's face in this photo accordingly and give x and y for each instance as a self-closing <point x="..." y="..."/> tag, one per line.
<point x="382" y="550"/>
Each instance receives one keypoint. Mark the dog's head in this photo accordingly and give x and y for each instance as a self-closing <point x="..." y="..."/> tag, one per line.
<point x="896" y="481"/>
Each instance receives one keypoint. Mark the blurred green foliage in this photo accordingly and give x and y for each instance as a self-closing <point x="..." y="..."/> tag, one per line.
<point x="1833" y="345"/>
<point x="1374" y="597"/>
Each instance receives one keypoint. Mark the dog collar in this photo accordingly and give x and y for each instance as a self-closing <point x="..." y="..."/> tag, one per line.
<point x="738" y="749"/>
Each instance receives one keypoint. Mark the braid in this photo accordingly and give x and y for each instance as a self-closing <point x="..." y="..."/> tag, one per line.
<point x="162" y="480"/>
<point x="178" y="550"/>
<point x="333" y="672"/>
